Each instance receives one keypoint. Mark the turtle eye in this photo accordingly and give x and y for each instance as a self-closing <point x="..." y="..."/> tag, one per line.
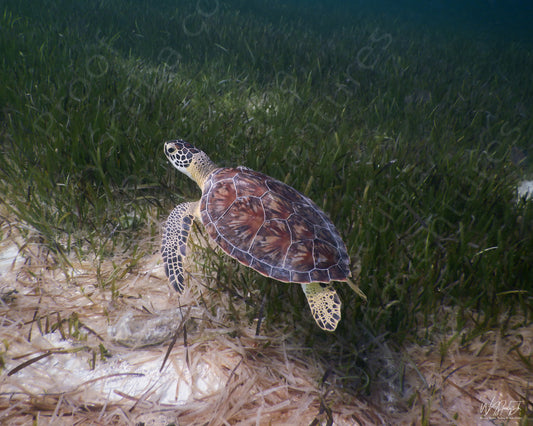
<point x="171" y="149"/>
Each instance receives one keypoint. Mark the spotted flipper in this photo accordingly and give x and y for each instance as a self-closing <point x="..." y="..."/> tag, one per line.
<point x="174" y="245"/>
<point x="324" y="303"/>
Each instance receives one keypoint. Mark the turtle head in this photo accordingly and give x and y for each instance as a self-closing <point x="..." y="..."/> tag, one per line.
<point x="189" y="160"/>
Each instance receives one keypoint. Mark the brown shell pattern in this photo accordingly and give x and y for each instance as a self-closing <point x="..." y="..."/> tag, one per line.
<point x="272" y="228"/>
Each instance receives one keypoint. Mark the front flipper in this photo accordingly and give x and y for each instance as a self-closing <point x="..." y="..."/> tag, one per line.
<point x="324" y="303"/>
<point x="174" y="247"/>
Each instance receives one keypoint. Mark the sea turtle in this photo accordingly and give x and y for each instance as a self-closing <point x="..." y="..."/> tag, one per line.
<point x="264" y="224"/>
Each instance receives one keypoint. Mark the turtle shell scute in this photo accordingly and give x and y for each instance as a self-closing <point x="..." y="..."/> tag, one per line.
<point x="273" y="238"/>
<point x="272" y="228"/>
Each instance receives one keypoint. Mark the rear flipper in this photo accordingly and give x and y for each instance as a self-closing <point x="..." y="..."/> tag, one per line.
<point x="324" y="303"/>
<point x="174" y="246"/>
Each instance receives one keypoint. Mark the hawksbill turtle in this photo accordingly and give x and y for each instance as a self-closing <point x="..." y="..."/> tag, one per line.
<point x="261" y="222"/>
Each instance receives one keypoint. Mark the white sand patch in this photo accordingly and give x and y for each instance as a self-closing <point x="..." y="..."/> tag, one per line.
<point x="9" y="258"/>
<point x="525" y="190"/>
<point x="132" y="373"/>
